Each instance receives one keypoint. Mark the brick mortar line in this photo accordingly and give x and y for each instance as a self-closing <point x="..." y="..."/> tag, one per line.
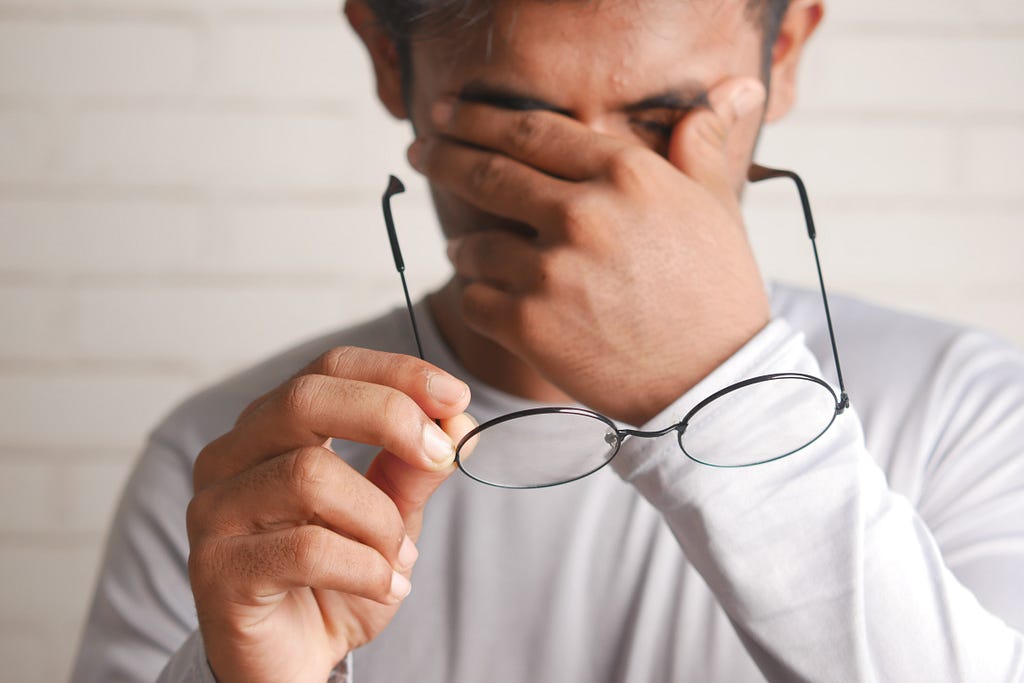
<point x="51" y="540"/>
<point x="254" y="279"/>
<point x="226" y="198"/>
<point x="357" y="200"/>
<point x="969" y="26"/>
<point x="907" y="116"/>
<point x="60" y="456"/>
<point x="185" y="193"/>
<point x="57" y="14"/>
<point x="359" y="113"/>
<point x="195" y="15"/>
<point x="1012" y="29"/>
<point x="85" y="367"/>
<point x="252" y="282"/>
<point x="196" y="102"/>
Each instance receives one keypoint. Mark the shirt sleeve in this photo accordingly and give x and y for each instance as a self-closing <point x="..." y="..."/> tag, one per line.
<point x="826" y="573"/>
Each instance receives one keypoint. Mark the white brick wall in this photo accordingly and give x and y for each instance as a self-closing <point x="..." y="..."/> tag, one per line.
<point x="173" y="170"/>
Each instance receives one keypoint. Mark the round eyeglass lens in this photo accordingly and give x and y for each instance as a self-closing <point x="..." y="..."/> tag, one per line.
<point x="760" y="421"/>
<point x="538" y="449"/>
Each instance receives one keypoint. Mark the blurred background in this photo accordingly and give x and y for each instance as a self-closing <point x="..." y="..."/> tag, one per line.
<point x="189" y="185"/>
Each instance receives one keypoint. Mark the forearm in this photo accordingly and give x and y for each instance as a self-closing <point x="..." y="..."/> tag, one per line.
<point x="825" y="572"/>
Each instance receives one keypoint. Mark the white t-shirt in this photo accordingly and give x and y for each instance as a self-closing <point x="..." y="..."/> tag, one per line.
<point x="891" y="549"/>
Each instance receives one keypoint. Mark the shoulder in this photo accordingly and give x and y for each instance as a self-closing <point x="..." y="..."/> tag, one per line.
<point x="882" y="345"/>
<point x="934" y="397"/>
<point x="212" y="411"/>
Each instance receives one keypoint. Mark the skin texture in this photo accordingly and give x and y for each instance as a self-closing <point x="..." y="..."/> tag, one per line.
<point x="600" y="257"/>
<point x="296" y="558"/>
<point x="599" y="248"/>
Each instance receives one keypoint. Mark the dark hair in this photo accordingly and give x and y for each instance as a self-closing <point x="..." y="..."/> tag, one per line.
<point x="403" y="19"/>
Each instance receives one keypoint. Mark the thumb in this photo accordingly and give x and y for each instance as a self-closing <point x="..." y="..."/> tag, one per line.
<point x="699" y="145"/>
<point x="410" y="487"/>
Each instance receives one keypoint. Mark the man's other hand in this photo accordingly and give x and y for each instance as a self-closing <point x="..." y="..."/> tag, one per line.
<point x="296" y="558"/>
<point x="634" y="279"/>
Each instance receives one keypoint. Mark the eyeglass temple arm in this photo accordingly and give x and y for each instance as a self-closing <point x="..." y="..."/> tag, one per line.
<point x="395" y="186"/>
<point x="758" y="173"/>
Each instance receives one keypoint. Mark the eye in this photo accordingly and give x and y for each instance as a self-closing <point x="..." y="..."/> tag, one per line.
<point x="656" y="125"/>
<point x="658" y="128"/>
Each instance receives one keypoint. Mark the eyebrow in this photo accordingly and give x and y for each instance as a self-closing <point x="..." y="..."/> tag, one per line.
<point x="684" y="98"/>
<point x="505" y="98"/>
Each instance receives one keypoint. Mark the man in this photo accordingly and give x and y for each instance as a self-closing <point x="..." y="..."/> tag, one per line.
<point x="586" y="161"/>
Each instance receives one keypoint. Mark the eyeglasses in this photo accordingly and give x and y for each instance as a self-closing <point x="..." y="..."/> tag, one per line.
<point x="548" y="446"/>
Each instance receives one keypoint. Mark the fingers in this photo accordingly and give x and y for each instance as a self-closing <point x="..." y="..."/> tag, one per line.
<point x="699" y="145"/>
<point x="385" y="400"/>
<point x="311" y="408"/>
<point x="525" y="166"/>
<point x="537" y="138"/>
<point x="436" y="391"/>
<point x="308" y="485"/>
<point x="410" y="487"/>
<point x="509" y="262"/>
<point x="252" y="569"/>
<point x="495" y="183"/>
<point x="306" y="519"/>
<point x="499" y="316"/>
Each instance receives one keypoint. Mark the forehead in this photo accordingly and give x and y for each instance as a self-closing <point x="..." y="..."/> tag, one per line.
<point x="608" y="46"/>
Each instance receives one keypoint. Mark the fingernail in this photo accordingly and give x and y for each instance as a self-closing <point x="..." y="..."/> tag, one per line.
<point x="413" y="154"/>
<point x="446" y="388"/>
<point x="407" y="554"/>
<point x="748" y="98"/>
<point x="438" y="446"/>
<point x="441" y="112"/>
<point x="400" y="586"/>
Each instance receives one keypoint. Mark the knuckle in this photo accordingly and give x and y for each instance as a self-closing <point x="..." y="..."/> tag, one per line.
<point x="334" y="362"/>
<point x="626" y="165"/>
<point x="300" y="395"/>
<point x="486" y="176"/>
<point x="307" y="476"/>
<point x="575" y="215"/>
<point x="522" y="137"/>
<point x="209" y="463"/>
<point x="478" y="254"/>
<point x="544" y="271"/>
<point x="410" y="371"/>
<point x="379" y="576"/>
<point x="197" y="514"/>
<point x="396" y="424"/>
<point x="201" y="470"/>
<point x="474" y="305"/>
<point x="204" y="563"/>
<point x="310" y="547"/>
<point x="398" y="408"/>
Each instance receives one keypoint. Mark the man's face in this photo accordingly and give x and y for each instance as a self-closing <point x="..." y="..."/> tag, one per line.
<point x="626" y="68"/>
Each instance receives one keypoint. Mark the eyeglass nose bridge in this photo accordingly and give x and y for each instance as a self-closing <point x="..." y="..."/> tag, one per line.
<point x="678" y="427"/>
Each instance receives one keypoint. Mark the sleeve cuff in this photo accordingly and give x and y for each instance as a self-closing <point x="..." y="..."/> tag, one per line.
<point x="190" y="665"/>
<point x="776" y="348"/>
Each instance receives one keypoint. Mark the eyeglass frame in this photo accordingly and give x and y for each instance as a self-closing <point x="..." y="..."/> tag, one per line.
<point x="756" y="173"/>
